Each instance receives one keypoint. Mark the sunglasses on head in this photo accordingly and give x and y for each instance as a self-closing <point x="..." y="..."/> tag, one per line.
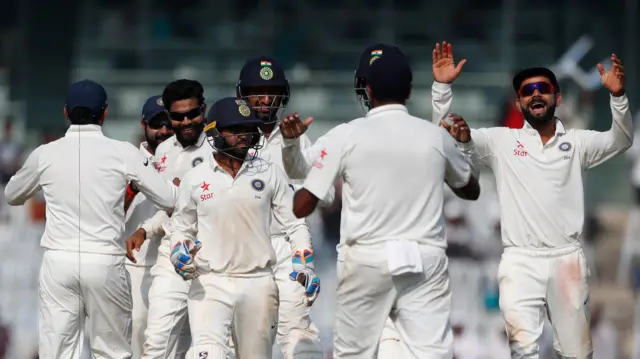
<point x="544" y="88"/>
<point x="191" y="114"/>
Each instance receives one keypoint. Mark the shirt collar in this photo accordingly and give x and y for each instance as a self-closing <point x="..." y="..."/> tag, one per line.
<point x="384" y="108"/>
<point x="532" y="131"/>
<point x="216" y="167"/>
<point x="88" y="129"/>
<point x="144" y="148"/>
<point x="199" y="143"/>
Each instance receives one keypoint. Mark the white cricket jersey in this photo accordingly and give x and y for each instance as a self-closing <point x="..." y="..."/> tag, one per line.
<point x="84" y="176"/>
<point x="541" y="187"/>
<point x="232" y="216"/>
<point x="271" y="151"/>
<point x="392" y="188"/>
<point x="140" y="210"/>
<point x="634" y="156"/>
<point x="172" y="160"/>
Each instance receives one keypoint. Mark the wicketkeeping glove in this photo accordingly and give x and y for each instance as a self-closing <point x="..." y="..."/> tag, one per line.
<point x="304" y="273"/>
<point x="182" y="255"/>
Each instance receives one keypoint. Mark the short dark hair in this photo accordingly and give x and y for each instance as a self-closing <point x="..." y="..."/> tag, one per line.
<point x="181" y="90"/>
<point x="84" y="116"/>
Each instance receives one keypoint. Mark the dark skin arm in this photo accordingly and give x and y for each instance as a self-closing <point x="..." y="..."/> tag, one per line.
<point x="304" y="203"/>
<point x="470" y="192"/>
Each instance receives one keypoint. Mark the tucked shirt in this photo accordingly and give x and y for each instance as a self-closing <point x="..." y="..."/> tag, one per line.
<point x="232" y="216"/>
<point x="393" y="166"/>
<point x="84" y="176"/>
<point x="540" y="187"/>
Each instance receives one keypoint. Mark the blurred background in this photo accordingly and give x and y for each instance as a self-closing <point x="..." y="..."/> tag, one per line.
<point x="135" y="47"/>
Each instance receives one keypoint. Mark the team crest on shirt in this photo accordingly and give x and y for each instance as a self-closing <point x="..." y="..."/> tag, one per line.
<point x="203" y="355"/>
<point x="565" y="147"/>
<point x="196" y="161"/>
<point x="258" y="185"/>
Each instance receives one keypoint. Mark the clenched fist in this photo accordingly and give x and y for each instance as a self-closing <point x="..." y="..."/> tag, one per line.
<point x="457" y="128"/>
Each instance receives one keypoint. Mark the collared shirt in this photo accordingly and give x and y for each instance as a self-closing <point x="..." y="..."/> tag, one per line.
<point x="140" y="210"/>
<point x="271" y="151"/>
<point x="393" y="166"/>
<point x="172" y="160"/>
<point x="541" y="186"/>
<point x="84" y="176"/>
<point x="232" y="216"/>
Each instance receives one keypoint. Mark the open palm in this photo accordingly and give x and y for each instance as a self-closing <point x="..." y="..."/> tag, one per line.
<point x="444" y="67"/>
<point x="613" y="79"/>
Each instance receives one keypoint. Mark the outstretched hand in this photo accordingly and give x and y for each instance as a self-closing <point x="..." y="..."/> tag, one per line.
<point x="444" y="68"/>
<point x="292" y="127"/>
<point x="613" y="79"/>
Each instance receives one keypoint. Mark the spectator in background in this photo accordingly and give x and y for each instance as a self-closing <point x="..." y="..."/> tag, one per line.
<point x="4" y="341"/>
<point x="604" y="335"/>
<point x="10" y="153"/>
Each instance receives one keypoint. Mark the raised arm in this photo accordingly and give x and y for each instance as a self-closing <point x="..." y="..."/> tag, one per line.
<point x="597" y="147"/>
<point x="445" y="72"/>
<point x="26" y="182"/>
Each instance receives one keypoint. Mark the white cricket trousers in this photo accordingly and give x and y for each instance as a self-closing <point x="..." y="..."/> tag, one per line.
<point x="538" y="282"/>
<point x="297" y="336"/>
<point x="77" y="286"/>
<point x="167" y="335"/>
<point x="140" y="285"/>
<point x="418" y="304"/>
<point x="390" y="346"/>
<point x="244" y="308"/>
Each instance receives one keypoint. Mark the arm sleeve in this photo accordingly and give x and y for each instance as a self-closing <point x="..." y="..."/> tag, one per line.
<point x="154" y="225"/>
<point x="160" y="192"/>
<point x="326" y="168"/>
<point x="26" y="182"/>
<point x="597" y="147"/>
<point x="298" y="155"/>
<point x="441" y="99"/>
<point x="457" y="168"/>
<point x="184" y="221"/>
<point x="305" y="142"/>
<point x="282" y="207"/>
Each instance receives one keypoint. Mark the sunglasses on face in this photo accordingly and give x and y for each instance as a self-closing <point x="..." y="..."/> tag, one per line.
<point x="543" y="87"/>
<point x="156" y="125"/>
<point x="191" y="114"/>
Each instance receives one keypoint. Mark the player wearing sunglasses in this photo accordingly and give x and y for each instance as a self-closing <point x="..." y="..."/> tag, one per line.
<point x="539" y="173"/>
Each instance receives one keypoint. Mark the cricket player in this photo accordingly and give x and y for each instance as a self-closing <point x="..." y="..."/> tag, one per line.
<point x="84" y="176"/>
<point x="298" y="158"/>
<point x="264" y="86"/>
<point x="167" y="334"/>
<point x="538" y="170"/>
<point x="394" y="231"/>
<point x="156" y="127"/>
<point x="228" y="204"/>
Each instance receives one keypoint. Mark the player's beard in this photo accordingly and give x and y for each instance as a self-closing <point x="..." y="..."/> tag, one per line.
<point x="536" y="120"/>
<point x="187" y="140"/>
<point x="154" y="142"/>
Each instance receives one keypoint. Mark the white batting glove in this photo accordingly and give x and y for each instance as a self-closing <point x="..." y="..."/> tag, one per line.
<point x="304" y="273"/>
<point x="182" y="255"/>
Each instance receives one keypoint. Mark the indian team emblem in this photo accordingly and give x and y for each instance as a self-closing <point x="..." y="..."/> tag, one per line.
<point x="375" y="54"/>
<point x="565" y="147"/>
<point x="258" y="185"/>
<point x="266" y="73"/>
<point x="159" y="101"/>
<point x="203" y="355"/>
<point x="244" y="110"/>
<point x="196" y="161"/>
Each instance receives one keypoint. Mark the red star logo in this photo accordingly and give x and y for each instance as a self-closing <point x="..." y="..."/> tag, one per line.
<point x="205" y="186"/>
<point x="163" y="159"/>
<point x="322" y="154"/>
